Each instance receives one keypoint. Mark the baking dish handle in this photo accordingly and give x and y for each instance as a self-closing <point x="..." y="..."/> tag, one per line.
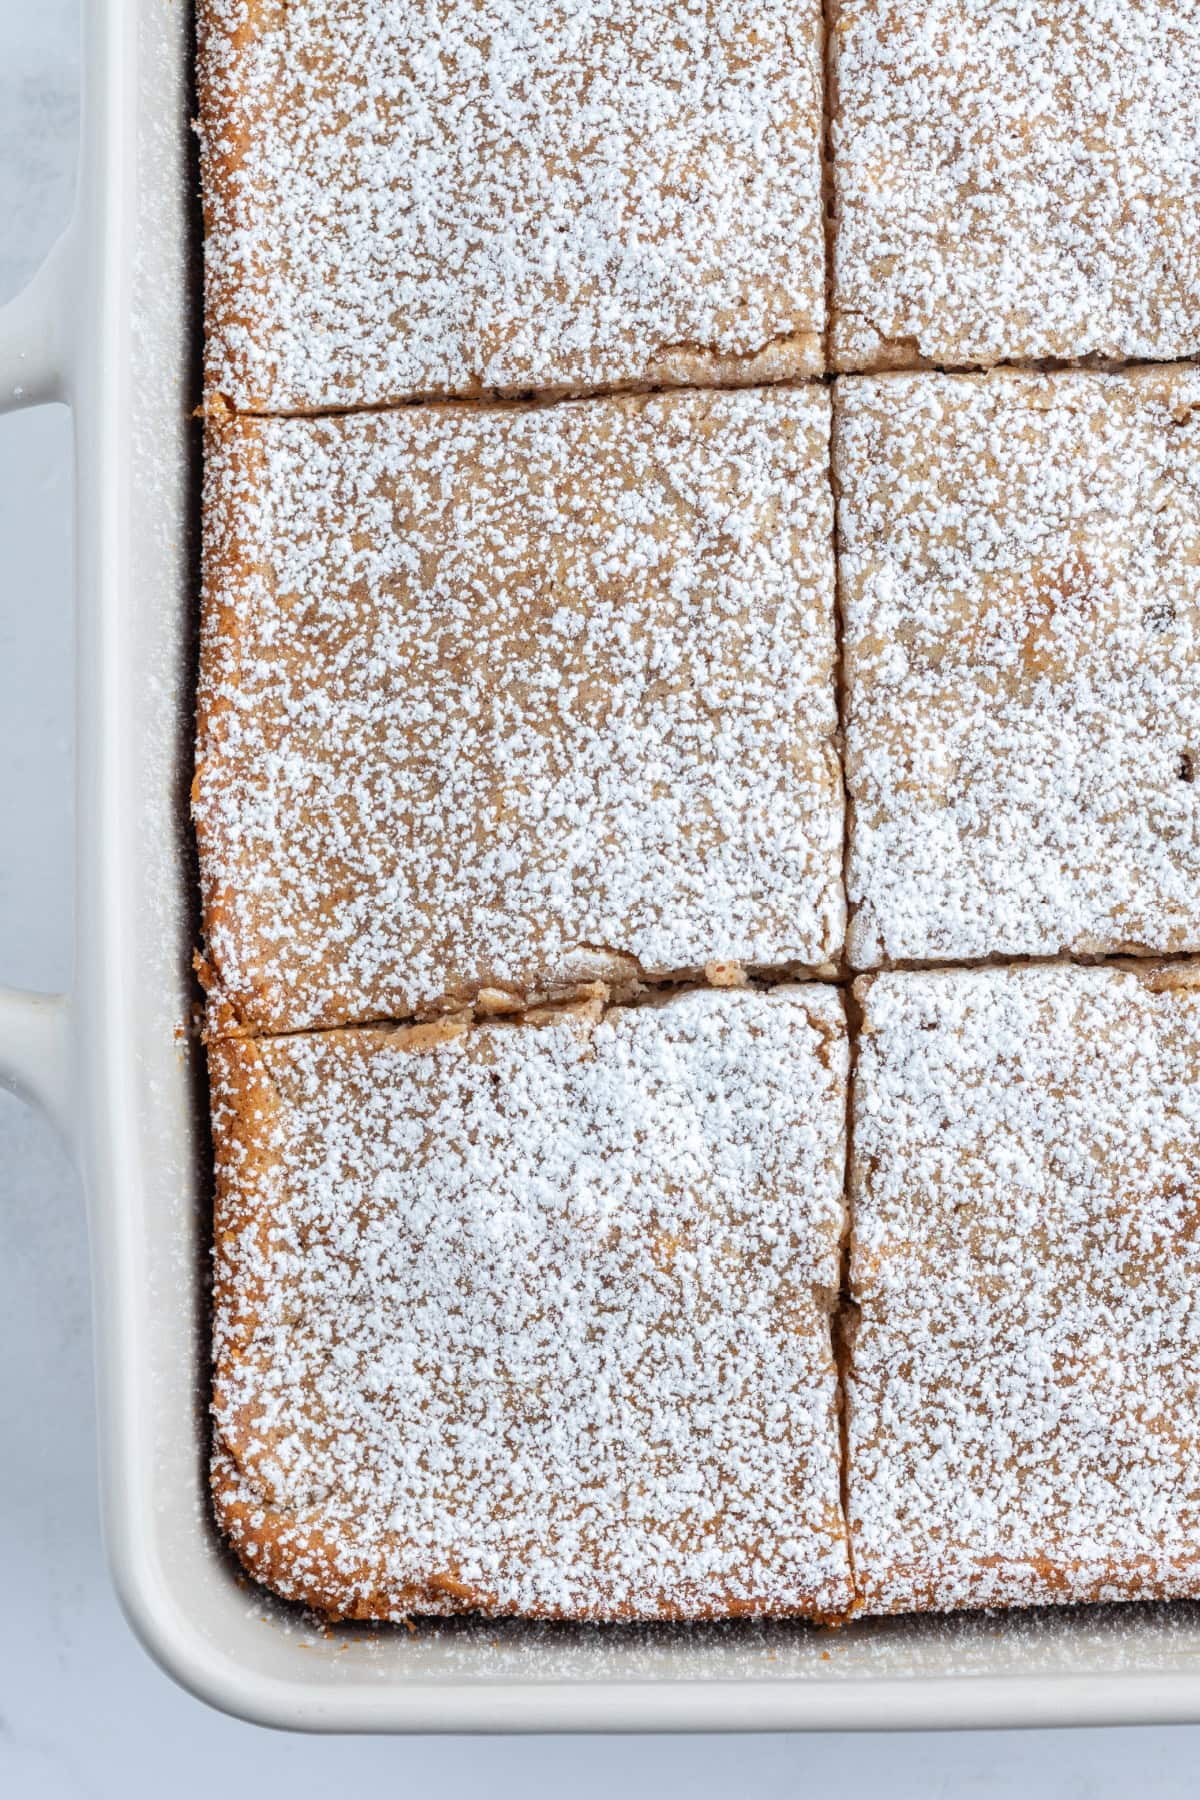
<point x="36" y="334"/>
<point x="35" y="367"/>
<point x="35" y="1051"/>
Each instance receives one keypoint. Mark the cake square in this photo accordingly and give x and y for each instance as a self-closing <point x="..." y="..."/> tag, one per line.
<point x="536" y="1320"/>
<point x="1020" y="586"/>
<point x="499" y="701"/>
<point x="420" y="198"/>
<point x="1014" y="180"/>
<point x="1023" y="1396"/>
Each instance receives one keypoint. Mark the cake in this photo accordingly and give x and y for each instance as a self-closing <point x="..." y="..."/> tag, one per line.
<point x="1023" y="1390"/>
<point x="535" y="1318"/>
<point x="412" y="198"/>
<point x="1019" y="572"/>
<point x="657" y="1178"/>
<point x="499" y="702"/>
<point x="1014" y="180"/>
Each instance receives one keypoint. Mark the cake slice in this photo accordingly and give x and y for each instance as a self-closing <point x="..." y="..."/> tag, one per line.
<point x="498" y="702"/>
<point x="1014" y="179"/>
<point x="412" y="198"/>
<point x="535" y="1319"/>
<point x="1020" y="584"/>
<point x="1024" y="1380"/>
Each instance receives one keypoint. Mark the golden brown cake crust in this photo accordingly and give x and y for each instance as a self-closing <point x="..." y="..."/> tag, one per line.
<point x="535" y="1319"/>
<point x="419" y="198"/>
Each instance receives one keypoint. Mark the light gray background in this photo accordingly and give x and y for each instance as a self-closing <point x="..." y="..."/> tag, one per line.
<point x="82" y="1710"/>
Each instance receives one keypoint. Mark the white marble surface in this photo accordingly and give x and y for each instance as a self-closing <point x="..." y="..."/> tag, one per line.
<point x="82" y="1711"/>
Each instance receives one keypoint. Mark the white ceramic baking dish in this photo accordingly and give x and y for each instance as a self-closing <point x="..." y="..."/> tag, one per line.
<point x="110" y="326"/>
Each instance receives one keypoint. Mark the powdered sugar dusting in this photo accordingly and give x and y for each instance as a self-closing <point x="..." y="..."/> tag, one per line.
<point x="1014" y="179"/>
<point x="504" y="705"/>
<point x="537" y="1320"/>
<point x="1020" y="576"/>
<point x="501" y="699"/>
<point x="1024" y="1392"/>
<point x="414" y="197"/>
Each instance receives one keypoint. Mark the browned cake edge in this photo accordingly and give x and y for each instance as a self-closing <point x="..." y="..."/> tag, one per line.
<point x="225" y="141"/>
<point x="234" y="458"/>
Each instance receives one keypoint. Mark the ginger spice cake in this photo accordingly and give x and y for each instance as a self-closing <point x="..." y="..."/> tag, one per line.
<point x="408" y="198"/>
<point x="529" y="1279"/>
<point x="1014" y="179"/>
<point x="1019" y="571"/>
<point x="535" y="1319"/>
<point x="498" y="701"/>
<point x="1024" y="1382"/>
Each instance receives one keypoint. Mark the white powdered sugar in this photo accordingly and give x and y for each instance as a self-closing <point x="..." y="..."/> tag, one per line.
<point x="1024" y="1385"/>
<point x="537" y="1319"/>
<point x="417" y="197"/>
<point x="1019" y="570"/>
<point x="1015" y="179"/>
<point x="506" y="699"/>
